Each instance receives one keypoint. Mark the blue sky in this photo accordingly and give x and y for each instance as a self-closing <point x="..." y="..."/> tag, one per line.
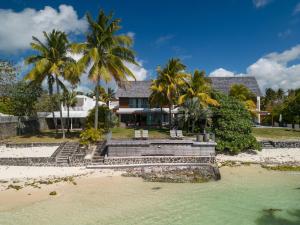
<point x="223" y="37"/>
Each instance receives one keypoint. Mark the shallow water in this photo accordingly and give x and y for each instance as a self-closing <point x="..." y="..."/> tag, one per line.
<point x="242" y="197"/>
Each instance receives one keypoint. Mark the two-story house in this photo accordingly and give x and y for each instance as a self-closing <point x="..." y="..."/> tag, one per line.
<point x="133" y="98"/>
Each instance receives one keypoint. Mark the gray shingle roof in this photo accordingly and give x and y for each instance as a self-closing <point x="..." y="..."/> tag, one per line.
<point x="135" y="89"/>
<point x="224" y="83"/>
<point x="141" y="89"/>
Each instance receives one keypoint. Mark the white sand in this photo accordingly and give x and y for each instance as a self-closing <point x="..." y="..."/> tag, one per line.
<point x="30" y="172"/>
<point x="45" y="151"/>
<point x="270" y="156"/>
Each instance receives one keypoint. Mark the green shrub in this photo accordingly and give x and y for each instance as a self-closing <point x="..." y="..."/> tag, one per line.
<point x="106" y="119"/>
<point x="90" y="135"/>
<point x="232" y="125"/>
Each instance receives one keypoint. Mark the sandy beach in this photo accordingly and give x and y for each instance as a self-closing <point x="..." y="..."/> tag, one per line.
<point x="289" y="156"/>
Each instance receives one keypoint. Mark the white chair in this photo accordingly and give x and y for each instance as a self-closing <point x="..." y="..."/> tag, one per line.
<point x="173" y="134"/>
<point x="290" y="126"/>
<point x="145" y="134"/>
<point x="137" y="134"/>
<point x="296" y="126"/>
<point x="179" y="134"/>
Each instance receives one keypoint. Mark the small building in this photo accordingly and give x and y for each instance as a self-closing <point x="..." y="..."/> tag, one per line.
<point x="77" y="114"/>
<point x="133" y="98"/>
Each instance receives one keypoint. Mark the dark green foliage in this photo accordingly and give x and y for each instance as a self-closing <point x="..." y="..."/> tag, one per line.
<point x="232" y="125"/>
<point x="106" y="119"/>
<point x="22" y="99"/>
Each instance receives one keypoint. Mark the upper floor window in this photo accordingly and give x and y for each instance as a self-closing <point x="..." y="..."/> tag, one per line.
<point x="138" y="103"/>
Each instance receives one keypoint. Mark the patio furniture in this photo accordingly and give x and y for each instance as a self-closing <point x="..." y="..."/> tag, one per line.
<point x="173" y="134"/>
<point x="296" y="127"/>
<point x="179" y="134"/>
<point x="290" y="126"/>
<point x="145" y="134"/>
<point x="137" y="134"/>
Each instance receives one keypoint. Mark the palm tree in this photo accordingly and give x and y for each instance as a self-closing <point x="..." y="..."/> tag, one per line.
<point x="105" y="52"/>
<point x="191" y="112"/>
<point x="242" y="93"/>
<point x="198" y="86"/>
<point x="51" y="62"/>
<point x="158" y="98"/>
<point x="171" y="78"/>
<point x="69" y="99"/>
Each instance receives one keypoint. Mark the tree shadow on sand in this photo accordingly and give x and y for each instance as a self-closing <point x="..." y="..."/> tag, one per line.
<point x="269" y="217"/>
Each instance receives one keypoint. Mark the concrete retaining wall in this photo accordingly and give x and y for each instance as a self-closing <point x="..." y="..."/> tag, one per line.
<point x="128" y="148"/>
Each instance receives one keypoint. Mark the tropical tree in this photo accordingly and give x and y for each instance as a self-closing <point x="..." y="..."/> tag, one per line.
<point x="191" y="113"/>
<point x="198" y="86"/>
<point x="158" y="98"/>
<point x="69" y="100"/>
<point x="243" y="94"/>
<point x="51" y="62"/>
<point x="106" y="53"/>
<point x="171" y="80"/>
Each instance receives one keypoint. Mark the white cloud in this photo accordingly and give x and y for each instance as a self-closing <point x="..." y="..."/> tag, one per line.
<point x="274" y="70"/>
<point x="130" y="34"/>
<point x="261" y="3"/>
<point x="297" y="9"/>
<point x="17" y="28"/>
<point x="139" y="72"/>
<point x="221" y="73"/>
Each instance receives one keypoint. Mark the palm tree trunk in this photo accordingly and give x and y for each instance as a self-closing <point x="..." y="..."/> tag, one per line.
<point x="60" y="108"/>
<point x="50" y="87"/>
<point x="170" y="117"/>
<point x="161" y="117"/>
<point x="97" y="103"/>
<point x="68" y="122"/>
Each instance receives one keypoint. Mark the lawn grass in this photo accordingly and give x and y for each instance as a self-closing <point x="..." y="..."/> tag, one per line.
<point x="275" y="134"/>
<point x="43" y="137"/>
<point x="128" y="133"/>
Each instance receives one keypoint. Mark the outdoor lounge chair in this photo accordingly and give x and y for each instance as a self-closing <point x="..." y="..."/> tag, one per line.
<point x="173" y="134"/>
<point x="145" y="134"/>
<point x="137" y="134"/>
<point x="179" y="134"/>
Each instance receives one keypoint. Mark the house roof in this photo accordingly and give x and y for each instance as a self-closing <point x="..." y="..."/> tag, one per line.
<point x="141" y="89"/>
<point x="135" y="89"/>
<point x="224" y="84"/>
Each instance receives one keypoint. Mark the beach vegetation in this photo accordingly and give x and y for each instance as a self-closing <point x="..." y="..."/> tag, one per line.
<point x="90" y="136"/>
<point x="232" y="125"/>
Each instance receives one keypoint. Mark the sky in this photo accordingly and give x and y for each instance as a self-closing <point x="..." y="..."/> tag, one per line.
<point x="258" y="38"/>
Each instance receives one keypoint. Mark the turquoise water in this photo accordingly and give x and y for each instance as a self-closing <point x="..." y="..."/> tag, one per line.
<point x="242" y="197"/>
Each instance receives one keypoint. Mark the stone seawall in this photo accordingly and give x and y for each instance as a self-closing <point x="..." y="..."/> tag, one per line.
<point x="29" y="161"/>
<point x="157" y="160"/>
<point x="286" y="144"/>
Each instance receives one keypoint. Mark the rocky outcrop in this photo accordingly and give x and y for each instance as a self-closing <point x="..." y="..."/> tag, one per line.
<point x="176" y="174"/>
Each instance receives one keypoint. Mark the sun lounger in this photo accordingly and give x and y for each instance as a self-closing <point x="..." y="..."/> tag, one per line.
<point x="137" y="134"/>
<point x="173" y="134"/>
<point x="179" y="134"/>
<point x="145" y="134"/>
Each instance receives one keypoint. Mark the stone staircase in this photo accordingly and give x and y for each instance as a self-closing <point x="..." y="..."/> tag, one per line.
<point x="97" y="157"/>
<point x="67" y="151"/>
<point x="267" y="144"/>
